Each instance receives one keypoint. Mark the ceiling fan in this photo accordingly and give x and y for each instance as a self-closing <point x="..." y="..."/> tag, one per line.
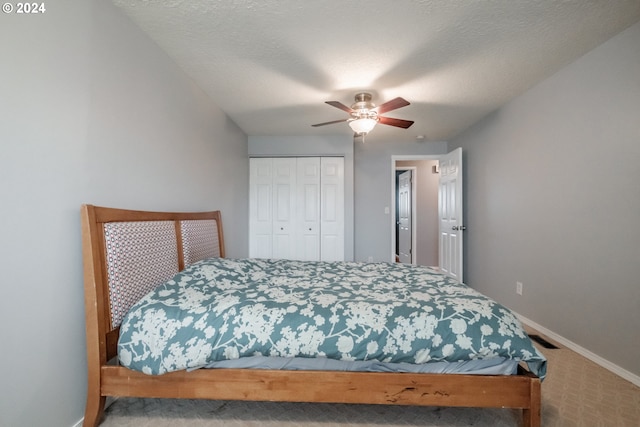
<point x="364" y="114"/>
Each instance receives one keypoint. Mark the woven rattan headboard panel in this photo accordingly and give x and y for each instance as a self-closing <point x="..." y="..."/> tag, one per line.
<point x="140" y="256"/>
<point x="143" y="254"/>
<point x="200" y="240"/>
<point x="128" y="253"/>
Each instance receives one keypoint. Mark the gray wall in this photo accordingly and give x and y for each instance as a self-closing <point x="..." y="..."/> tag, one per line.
<point x="373" y="186"/>
<point x="322" y="145"/>
<point x="91" y="111"/>
<point x="553" y="200"/>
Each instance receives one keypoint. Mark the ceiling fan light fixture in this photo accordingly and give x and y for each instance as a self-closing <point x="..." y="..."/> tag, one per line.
<point x="364" y="114"/>
<point x="362" y="126"/>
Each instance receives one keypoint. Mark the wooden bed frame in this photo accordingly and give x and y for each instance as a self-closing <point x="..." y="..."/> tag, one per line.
<point x="106" y="378"/>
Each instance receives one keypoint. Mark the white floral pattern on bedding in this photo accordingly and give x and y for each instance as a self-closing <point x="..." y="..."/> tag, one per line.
<point x="220" y="309"/>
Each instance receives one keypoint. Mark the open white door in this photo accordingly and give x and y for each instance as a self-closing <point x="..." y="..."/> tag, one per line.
<point x="404" y="217"/>
<point x="450" y="214"/>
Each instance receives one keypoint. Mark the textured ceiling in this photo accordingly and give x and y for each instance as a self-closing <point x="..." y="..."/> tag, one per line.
<point x="271" y="64"/>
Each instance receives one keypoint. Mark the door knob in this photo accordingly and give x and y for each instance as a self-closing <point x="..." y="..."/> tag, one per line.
<point x="461" y="228"/>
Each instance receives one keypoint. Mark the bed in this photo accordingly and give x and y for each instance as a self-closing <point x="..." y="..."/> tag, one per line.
<point x="135" y="260"/>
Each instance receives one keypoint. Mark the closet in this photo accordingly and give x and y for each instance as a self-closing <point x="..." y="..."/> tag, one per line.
<point x="296" y="208"/>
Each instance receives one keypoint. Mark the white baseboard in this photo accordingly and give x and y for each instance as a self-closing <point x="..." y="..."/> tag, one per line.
<point x="621" y="372"/>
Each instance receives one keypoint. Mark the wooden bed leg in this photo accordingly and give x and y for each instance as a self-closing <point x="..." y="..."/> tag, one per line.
<point x="531" y="415"/>
<point x="94" y="410"/>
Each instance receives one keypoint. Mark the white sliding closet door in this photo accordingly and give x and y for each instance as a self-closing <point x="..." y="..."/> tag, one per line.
<point x="297" y="208"/>
<point x="260" y="211"/>
<point x="332" y="209"/>
<point x="284" y="208"/>
<point x="308" y="203"/>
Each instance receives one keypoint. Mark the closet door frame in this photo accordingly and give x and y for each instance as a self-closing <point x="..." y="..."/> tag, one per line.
<point x="296" y="208"/>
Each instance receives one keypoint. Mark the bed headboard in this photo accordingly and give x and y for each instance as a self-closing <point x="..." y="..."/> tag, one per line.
<point x="127" y="253"/>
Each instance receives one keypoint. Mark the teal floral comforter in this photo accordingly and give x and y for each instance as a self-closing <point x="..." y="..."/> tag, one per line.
<point x="221" y="309"/>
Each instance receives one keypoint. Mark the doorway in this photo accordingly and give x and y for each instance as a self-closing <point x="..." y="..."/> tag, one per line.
<point x="423" y="210"/>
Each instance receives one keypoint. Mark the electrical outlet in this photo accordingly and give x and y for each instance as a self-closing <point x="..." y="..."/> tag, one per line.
<point x="370" y="259"/>
<point x="519" y="288"/>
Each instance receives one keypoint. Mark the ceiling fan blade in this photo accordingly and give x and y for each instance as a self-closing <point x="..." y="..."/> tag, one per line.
<point x="392" y="105"/>
<point x="405" y="124"/>
<point x="339" y="105"/>
<point x="329" y="123"/>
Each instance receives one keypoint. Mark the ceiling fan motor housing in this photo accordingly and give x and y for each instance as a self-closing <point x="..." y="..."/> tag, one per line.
<point x="363" y="108"/>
